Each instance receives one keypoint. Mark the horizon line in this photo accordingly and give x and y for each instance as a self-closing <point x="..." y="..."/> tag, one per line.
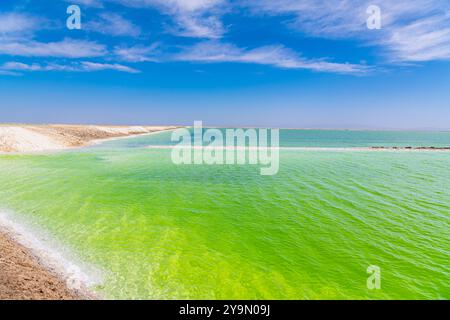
<point x="235" y="127"/>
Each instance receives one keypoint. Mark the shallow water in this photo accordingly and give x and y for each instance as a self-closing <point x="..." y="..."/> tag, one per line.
<point x="163" y="231"/>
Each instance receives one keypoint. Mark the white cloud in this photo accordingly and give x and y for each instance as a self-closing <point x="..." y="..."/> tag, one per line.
<point x="423" y="40"/>
<point x="137" y="53"/>
<point x="277" y="56"/>
<point x="88" y="3"/>
<point x="343" y="18"/>
<point x="412" y="30"/>
<point x="329" y="18"/>
<point x="9" y="73"/>
<point x="14" y="22"/>
<point x="93" y="66"/>
<point x="84" y="66"/>
<point x="113" y="24"/>
<point x="67" y="48"/>
<point x="198" y="27"/>
<point x="19" y="66"/>
<point x="181" y="5"/>
<point x="193" y="18"/>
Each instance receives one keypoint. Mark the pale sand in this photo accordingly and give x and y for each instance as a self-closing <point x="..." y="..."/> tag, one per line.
<point x="37" y="138"/>
<point x="22" y="277"/>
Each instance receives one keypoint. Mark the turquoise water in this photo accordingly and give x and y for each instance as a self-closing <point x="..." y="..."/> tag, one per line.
<point x="162" y="231"/>
<point x="322" y="139"/>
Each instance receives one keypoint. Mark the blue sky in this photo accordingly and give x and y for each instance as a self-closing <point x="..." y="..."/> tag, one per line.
<point x="284" y="63"/>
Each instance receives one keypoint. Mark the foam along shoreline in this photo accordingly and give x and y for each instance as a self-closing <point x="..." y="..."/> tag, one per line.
<point x="43" y="138"/>
<point x="35" y="267"/>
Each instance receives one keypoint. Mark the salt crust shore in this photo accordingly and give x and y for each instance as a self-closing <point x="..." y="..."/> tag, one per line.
<point x="34" y="267"/>
<point x="40" y="138"/>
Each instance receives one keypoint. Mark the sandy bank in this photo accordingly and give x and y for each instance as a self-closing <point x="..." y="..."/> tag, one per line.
<point x="33" y="266"/>
<point x="23" y="278"/>
<point x="36" y="138"/>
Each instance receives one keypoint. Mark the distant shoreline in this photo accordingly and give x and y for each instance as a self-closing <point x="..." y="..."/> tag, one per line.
<point x="336" y="149"/>
<point x="19" y="139"/>
<point x="35" y="139"/>
<point x="413" y="148"/>
<point x="326" y="129"/>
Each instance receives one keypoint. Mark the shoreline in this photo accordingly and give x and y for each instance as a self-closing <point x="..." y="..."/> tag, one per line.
<point x="23" y="278"/>
<point x="36" y="139"/>
<point x="31" y="268"/>
<point x="91" y="143"/>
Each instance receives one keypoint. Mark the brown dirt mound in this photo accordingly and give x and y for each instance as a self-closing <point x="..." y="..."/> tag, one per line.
<point x="23" y="278"/>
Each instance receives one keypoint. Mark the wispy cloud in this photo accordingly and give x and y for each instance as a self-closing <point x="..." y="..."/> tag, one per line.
<point x="332" y="18"/>
<point x="426" y="39"/>
<point x="13" y="24"/>
<point x="84" y="66"/>
<point x="88" y="3"/>
<point x="19" y="66"/>
<point x="276" y="55"/>
<point x="193" y="18"/>
<point x="93" y="66"/>
<point x="137" y="53"/>
<point x="412" y="30"/>
<point x="67" y="48"/>
<point x="113" y="24"/>
<point x="198" y="26"/>
<point x="9" y="73"/>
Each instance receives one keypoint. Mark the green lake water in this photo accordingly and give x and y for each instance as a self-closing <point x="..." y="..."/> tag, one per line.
<point x="162" y="231"/>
